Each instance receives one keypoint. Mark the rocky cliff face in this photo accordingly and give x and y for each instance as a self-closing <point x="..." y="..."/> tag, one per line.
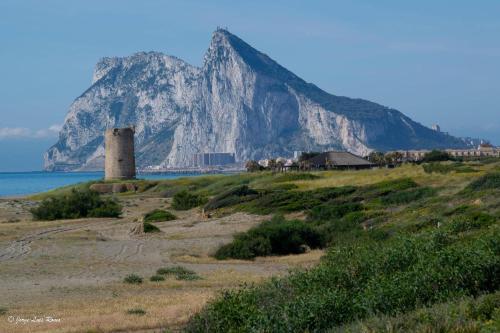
<point x="240" y="101"/>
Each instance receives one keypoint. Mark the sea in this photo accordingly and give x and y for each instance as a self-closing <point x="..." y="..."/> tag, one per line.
<point x="14" y="184"/>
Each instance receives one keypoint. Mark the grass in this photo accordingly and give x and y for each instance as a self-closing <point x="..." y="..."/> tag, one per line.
<point x="159" y="215"/>
<point x="133" y="279"/>
<point x="179" y="272"/>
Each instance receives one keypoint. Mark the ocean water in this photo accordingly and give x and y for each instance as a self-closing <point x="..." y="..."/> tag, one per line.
<point x="21" y="183"/>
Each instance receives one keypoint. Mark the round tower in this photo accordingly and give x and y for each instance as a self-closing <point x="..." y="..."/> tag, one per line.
<point x="120" y="160"/>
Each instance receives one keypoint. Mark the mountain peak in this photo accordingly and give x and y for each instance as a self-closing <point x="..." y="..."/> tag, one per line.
<point x="224" y="43"/>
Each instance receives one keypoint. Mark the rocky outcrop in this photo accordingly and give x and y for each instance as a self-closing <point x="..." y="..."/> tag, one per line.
<point x="240" y="101"/>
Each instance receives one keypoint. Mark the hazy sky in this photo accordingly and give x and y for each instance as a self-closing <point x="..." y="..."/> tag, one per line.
<point x="436" y="61"/>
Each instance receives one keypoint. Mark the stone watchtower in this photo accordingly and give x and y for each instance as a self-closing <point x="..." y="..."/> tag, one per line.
<point x="120" y="160"/>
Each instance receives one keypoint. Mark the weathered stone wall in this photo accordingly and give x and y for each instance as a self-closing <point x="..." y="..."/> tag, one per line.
<point x="120" y="160"/>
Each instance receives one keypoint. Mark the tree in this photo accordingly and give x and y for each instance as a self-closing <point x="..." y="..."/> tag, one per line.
<point x="377" y="157"/>
<point x="280" y="165"/>
<point x="307" y="155"/>
<point x="436" y="156"/>
<point x="271" y="164"/>
<point x="252" y="166"/>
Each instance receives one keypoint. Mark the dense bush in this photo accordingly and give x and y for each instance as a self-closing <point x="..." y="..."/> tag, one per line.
<point x="276" y="236"/>
<point x="470" y="221"/>
<point x="294" y="176"/>
<point x="488" y="181"/>
<point x="446" y="168"/>
<point x="407" y="196"/>
<point x="185" y="200"/>
<point x="436" y="156"/>
<point x="179" y="272"/>
<point x="463" y="315"/>
<point x="231" y="197"/>
<point x="76" y="204"/>
<point x="150" y="228"/>
<point x="159" y="215"/>
<point x="333" y="210"/>
<point x="136" y="311"/>
<point x="284" y="200"/>
<point x="485" y="307"/>
<point x="355" y="281"/>
<point x="133" y="279"/>
<point x="385" y="187"/>
<point x="156" y="278"/>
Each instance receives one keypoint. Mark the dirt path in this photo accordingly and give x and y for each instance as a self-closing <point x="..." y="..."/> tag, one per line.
<point x="74" y="269"/>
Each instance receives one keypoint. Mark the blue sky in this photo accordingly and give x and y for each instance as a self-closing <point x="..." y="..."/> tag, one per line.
<point x="436" y="61"/>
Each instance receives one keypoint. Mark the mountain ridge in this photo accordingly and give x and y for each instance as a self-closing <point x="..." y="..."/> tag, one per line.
<point x="240" y="100"/>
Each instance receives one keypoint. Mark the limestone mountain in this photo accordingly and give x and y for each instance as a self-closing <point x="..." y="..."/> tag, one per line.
<point x="239" y="101"/>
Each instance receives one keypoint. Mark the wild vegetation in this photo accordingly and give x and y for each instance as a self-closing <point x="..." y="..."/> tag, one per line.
<point x="159" y="215"/>
<point x="149" y="227"/>
<point x="395" y="248"/>
<point x="76" y="204"/>
<point x="406" y="249"/>
<point x="185" y="200"/>
<point x="133" y="279"/>
<point x="179" y="272"/>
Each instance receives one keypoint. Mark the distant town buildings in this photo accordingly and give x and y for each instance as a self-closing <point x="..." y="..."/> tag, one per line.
<point x="483" y="150"/>
<point x="213" y="159"/>
<point x="325" y="160"/>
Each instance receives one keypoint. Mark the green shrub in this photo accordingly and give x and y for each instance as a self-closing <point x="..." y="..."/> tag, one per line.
<point x="488" y="181"/>
<point x="333" y="210"/>
<point x="436" y="156"/>
<point x="185" y="200"/>
<point x="356" y="281"/>
<point x="276" y="236"/>
<point x="133" y="279"/>
<point x="159" y="215"/>
<point x="450" y="317"/>
<point x="136" y="311"/>
<point x="76" y="204"/>
<point x="407" y="196"/>
<point x="484" y="308"/>
<point x="385" y="187"/>
<point x="283" y="200"/>
<point x="446" y="168"/>
<point x="231" y="197"/>
<point x="179" y="272"/>
<point x="470" y="221"/>
<point x="294" y="176"/>
<point x="3" y="311"/>
<point x="150" y="228"/>
<point x="156" y="278"/>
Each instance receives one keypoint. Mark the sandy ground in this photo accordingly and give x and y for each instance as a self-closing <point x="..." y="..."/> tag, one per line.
<point x="66" y="276"/>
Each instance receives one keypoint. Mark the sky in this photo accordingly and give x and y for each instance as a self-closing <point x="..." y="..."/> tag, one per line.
<point x="435" y="61"/>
